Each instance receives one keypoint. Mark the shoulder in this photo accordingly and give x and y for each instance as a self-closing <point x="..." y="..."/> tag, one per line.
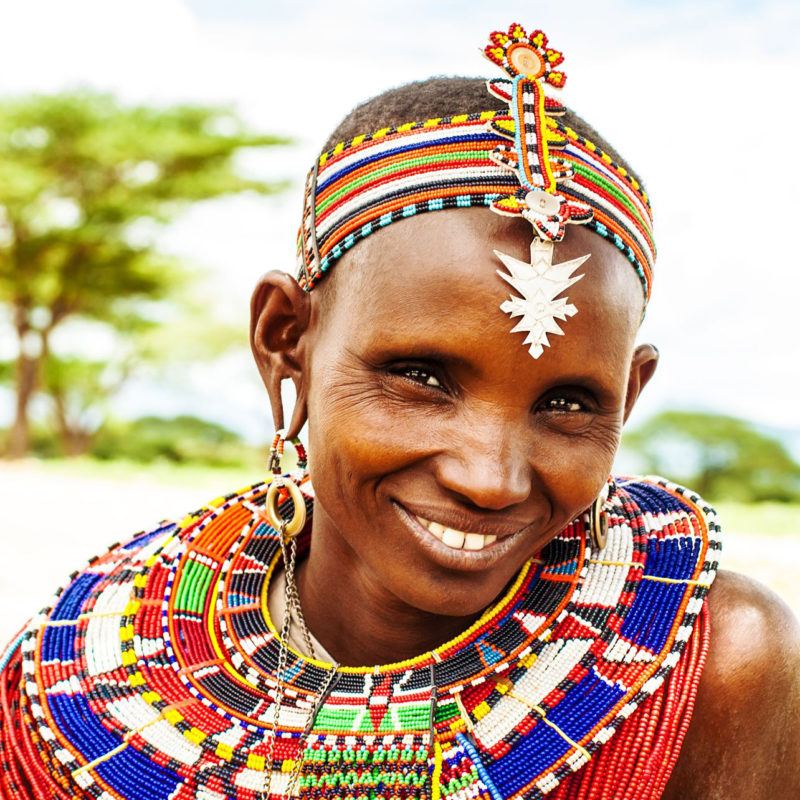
<point x="750" y="622"/>
<point x="742" y="740"/>
<point x="755" y="646"/>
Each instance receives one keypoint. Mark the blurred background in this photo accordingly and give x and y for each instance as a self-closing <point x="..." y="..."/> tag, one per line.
<point x="152" y="155"/>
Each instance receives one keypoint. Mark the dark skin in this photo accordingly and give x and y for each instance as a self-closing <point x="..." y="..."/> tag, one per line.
<point x="421" y="403"/>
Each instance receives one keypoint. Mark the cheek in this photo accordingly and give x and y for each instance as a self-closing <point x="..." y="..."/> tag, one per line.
<point x="355" y="427"/>
<point x="572" y="470"/>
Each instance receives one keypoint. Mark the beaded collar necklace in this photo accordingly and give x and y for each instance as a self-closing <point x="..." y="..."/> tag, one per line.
<point x="153" y="674"/>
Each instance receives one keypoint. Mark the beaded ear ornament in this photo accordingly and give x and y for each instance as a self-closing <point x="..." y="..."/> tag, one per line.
<point x="285" y="482"/>
<point x="531" y="136"/>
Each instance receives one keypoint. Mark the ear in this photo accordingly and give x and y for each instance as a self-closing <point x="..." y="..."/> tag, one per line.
<point x="280" y="312"/>
<point x="643" y="365"/>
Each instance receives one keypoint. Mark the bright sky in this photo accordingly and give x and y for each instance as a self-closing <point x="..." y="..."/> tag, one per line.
<point x="698" y="96"/>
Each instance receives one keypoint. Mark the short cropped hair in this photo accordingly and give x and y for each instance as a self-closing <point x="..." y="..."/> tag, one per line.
<point x="444" y="97"/>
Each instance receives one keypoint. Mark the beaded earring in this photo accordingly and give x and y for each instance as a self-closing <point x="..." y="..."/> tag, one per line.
<point x="288" y="481"/>
<point x="598" y="522"/>
<point x="288" y="531"/>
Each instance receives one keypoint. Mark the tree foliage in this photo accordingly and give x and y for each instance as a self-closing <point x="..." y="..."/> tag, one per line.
<point x="183" y="439"/>
<point x="720" y="457"/>
<point x="83" y="182"/>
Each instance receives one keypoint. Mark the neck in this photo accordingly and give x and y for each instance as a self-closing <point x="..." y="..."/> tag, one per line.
<point x="355" y="618"/>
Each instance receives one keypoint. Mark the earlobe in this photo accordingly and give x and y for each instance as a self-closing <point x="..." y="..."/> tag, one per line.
<point x="643" y="365"/>
<point x="280" y="312"/>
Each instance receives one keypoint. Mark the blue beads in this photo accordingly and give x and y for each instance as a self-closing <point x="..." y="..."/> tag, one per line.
<point x="128" y="771"/>
<point x="470" y="750"/>
<point x="58" y="643"/>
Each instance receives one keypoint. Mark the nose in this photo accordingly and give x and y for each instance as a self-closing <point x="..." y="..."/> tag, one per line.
<point x="489" y="468"/>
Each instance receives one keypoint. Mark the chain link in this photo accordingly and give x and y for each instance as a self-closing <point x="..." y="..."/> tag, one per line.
<point x="291" y="596"/>
<point x="292" y="608"/>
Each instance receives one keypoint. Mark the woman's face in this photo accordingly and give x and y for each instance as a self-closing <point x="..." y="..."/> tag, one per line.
<point x="443" y="455"/>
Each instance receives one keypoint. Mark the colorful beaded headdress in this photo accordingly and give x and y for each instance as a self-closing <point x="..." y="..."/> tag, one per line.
<point x="521" y="163"/>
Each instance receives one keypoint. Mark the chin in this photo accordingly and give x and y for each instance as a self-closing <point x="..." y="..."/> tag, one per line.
<point x="442" y="583"/>
<point x="457" y="598"/>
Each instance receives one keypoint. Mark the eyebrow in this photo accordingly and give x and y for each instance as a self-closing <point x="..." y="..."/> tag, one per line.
<point x="388" y="351"/>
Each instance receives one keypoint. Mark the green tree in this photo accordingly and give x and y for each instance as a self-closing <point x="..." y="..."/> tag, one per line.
<point x="84" y="181"/>
<point x="184" y="439"/>
<point x="80" y="390"/>
<point x="716" y="455"/>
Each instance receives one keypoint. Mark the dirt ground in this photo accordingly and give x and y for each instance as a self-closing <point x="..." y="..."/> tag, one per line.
<point x="53" y="521"/>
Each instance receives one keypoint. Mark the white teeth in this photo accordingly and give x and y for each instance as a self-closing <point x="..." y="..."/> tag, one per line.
<point x="473" y="541"/>
<point x="454" y="539"/>
<point x="457" y="540"/>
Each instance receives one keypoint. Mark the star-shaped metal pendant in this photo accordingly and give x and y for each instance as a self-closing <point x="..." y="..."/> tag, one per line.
<point x="539" y="283"/>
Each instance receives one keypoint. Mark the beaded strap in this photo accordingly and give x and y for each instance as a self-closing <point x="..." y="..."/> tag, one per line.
<point x="370" y="182"/>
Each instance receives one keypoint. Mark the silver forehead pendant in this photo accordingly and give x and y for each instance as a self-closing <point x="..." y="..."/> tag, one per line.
<point x="539" y="285"/>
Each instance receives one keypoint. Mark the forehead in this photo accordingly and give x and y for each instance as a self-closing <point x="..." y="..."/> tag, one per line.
<point x="436" y="276"/>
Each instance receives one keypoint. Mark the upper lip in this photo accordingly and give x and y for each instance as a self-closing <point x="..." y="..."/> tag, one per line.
<point x="464" y="521"/>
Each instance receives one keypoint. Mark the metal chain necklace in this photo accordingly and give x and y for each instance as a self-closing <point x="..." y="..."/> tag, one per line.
<point x="292" y="608"/>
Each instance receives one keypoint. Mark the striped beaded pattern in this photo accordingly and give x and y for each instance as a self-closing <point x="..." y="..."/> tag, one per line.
<point x="153" y="673"/>
<point x="369" y="182"/>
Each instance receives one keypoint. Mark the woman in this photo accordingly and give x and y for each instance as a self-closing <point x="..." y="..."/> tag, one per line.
<point x="531" y="626"/>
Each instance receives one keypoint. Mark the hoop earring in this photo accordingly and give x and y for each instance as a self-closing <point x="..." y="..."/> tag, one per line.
<point x="598" y="522"/>
<point x="281" y="480"/>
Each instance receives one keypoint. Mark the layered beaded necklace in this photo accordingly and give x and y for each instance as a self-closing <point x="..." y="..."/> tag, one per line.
<point x="157" y="673"/>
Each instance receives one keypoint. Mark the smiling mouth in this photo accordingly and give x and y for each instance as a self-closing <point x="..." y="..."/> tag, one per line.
<point x="455" y="539"/>
<point x="460" y="547"/>
<point x="461" y="550"/>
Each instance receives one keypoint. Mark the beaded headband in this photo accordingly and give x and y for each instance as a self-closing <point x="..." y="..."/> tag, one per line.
<point x="521" y="163"/>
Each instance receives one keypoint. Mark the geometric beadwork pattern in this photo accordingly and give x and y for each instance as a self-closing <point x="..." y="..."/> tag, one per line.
<point x="152" y="674"/>
<point x="363" y="185"/>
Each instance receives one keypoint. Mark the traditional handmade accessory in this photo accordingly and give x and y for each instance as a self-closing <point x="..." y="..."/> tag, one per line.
<point x="287" y="532"/>
<point x="286" y="481"/>
<point x="541" y="284"/>
<point x="157" y="673"/>
<point x="598" y="530"/>
<point x="524" y="162"/>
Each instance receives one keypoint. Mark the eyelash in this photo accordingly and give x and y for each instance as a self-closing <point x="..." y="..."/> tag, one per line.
<point x="566" y="403"/>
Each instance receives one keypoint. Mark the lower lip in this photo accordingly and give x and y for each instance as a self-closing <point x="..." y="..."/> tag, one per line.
<point x="449" y="557"/>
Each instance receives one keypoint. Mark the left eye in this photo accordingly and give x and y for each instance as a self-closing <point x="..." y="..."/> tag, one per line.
<point x="423" y="376"/>
<point x="564" y="404"/>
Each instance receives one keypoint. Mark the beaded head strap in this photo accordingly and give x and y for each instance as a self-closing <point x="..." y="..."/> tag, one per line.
<point x="524" y="162"/>
<point x="531" y="64"/>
